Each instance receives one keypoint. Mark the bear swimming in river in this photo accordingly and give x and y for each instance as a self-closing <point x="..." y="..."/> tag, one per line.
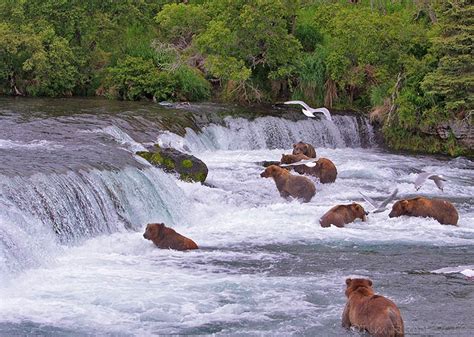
<point x="439" y="209"/>
<point x="373" y="313"/>
<point x="167" y="238"/>
<point x="343" y="214"/>
<point x="290" y="185"/>
<point x="304" y="148"/>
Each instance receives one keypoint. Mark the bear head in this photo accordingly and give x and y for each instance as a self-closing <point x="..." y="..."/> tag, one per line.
<point x="271" y="171"/>
<point x="401" y="207"/>
<point x="292" y="158"/>
<point x="300" y="148"/>
<point x="153" y="231"/>
<point x="358" y="211"/>
<point x="358" y="284"/>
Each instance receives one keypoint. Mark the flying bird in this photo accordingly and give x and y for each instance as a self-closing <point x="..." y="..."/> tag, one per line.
<point x="309" y="111"/>
<point x="377" y="208"/>
<point x="307" y="162"/>
<point x="421" y="178"/>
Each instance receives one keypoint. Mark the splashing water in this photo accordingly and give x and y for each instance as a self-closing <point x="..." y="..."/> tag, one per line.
<point x="73" y="260"/>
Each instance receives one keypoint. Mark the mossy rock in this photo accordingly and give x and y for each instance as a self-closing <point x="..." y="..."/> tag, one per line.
<point x="186" y="166"/>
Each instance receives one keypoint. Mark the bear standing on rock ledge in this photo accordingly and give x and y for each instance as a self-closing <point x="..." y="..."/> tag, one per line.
<point x="290" y="185"/>
<point x="439" y="209"/>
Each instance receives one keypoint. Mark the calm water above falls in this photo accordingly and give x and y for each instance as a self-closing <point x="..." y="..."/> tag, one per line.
<point x="74" y="201"/>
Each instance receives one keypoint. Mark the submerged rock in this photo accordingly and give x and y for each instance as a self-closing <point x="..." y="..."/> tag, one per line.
<point x="188" y="167"/>
<point x="267" y="163"/>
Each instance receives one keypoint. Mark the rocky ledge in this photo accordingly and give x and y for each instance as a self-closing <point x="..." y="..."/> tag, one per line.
<point x="186" y="166"/>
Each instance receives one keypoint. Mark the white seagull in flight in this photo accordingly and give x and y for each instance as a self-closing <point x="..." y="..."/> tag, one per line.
<point x="308" y="162"/>
<point x="309" y="111"/>
<point x="379" y="207"/>
<point x="421" y="178"/>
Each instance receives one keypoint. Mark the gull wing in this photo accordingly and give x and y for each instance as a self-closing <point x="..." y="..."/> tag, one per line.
<point x="307" y="162"/>
<point x="389" y="199"/>
<point x="369" y="200"/>
<point x="306" y="106"/>
<point x="420" y="179"/>
<point x="438" y="181"/>
<point x="308" y="113"/>
<point x="325" y="111"/>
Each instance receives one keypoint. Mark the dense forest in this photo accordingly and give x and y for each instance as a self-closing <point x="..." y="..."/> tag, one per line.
<point x="406" y="63"/>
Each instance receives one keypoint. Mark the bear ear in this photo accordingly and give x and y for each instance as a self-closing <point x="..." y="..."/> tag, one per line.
<point x="404" y="203"/>
<point x="294" y="145"/>
<point x="348" y="282"/>
<point x="370" y="282"/>
<point x="305" y="146"/>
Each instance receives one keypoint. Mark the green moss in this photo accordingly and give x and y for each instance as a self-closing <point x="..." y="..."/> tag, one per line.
<point x="403" y="139"/>
<point x="144" y="154"/>
<point x="156" y="158"/>
<point x="187" y="163"/>
<point x="168" y="163"/>
<point x="200" y="176"/>
<point x="196" y="177"/>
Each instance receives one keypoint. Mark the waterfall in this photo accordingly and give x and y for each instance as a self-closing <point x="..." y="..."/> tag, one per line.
<point x="83" y="180"/>
<point x="39" y="212"/>
<point x="273" y="132"/>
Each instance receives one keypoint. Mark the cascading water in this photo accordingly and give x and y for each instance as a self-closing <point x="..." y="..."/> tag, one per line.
<point x="74" y="200"/>
<point x="278" y="133"/>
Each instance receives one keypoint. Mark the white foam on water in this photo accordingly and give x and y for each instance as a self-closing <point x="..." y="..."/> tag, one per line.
<point x="122" y="283"/>
<point x="120" y="137"/>
<point x="246" y="208"/>
<point x="34" y="144"/>
<point x="273" y="133"/>
<point x="113" y="281"/>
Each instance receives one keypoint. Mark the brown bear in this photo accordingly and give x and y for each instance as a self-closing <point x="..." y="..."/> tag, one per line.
<point x="343" y="214"/>
<point x="290" y="185"/>
<point x="373" y="313"/>
<point x="439" y="209"/>
<point x="304" y="148"/>
<point x="167" y="238"/>
<point x="325" y="169"/>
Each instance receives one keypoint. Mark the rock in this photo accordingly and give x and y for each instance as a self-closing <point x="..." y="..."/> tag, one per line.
<point x="460" y="128"/>
<point x="267" y="163"/>
<point x="188" y="167"/>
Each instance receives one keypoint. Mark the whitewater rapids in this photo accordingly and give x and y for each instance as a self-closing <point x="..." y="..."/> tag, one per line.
<point x="74" y="262"/>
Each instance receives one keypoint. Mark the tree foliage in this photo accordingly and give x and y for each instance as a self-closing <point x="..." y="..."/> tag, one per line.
<point x="408" y="62"/>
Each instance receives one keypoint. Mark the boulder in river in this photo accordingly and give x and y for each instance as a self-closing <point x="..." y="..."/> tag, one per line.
<point x="188" y="167"/>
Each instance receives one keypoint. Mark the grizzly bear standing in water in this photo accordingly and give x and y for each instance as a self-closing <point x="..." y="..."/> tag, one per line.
<point x="374" y="313"/>
<point x="343" y="214"/>
<point x="439" y="209"/>
<point x="304" y="148"/>
<point x="324" y="169"/>
<point x="167" y="238"/>
<point x="290" y="185"/>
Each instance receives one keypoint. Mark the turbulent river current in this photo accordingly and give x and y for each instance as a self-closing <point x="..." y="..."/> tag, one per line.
<point x="75" y="199"/>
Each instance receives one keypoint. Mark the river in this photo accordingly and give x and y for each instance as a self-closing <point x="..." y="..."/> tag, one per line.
<point x="75" y="199"/>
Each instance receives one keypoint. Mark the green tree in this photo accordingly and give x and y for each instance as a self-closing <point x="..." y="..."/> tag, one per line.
<point x="451" y="84"/>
